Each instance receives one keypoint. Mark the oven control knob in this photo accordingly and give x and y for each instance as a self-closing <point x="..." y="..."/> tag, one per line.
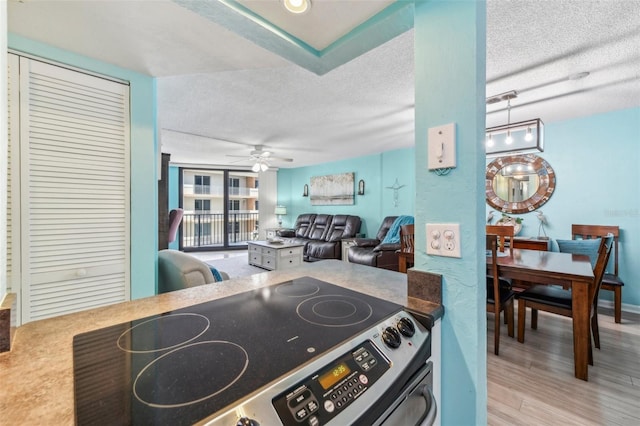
<point x="246" y="421"/>
<point x="406" y="327"/>
<point x="391" y="337"/>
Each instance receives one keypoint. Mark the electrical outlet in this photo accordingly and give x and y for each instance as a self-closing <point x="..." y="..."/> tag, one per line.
<point x="443" y="239"/>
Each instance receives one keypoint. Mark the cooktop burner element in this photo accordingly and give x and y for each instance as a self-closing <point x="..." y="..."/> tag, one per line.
<point x="334" y="310"/>
<point x="183" y="328"/>
<point x="167" y="382"/>
<point x="182" y="366"/>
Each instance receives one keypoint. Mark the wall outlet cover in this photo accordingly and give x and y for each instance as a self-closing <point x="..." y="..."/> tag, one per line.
<point x="443" y="239"/>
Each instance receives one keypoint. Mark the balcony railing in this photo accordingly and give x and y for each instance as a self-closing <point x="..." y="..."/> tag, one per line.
<point x="207" y="229"/>
<point x="218" y="191"/>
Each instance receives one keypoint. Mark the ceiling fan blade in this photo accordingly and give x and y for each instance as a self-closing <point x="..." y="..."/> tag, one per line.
<point x="288" y="160"/>
<point x="241" y="161"/>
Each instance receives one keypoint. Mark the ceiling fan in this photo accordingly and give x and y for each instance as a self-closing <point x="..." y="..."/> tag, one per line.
<point x="260" y="157"/>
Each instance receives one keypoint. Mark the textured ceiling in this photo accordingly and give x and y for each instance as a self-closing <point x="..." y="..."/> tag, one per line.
<point x="235" y="94"/>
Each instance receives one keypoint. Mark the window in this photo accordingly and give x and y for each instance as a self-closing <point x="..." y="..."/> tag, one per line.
<point x="234" y="186"/>
<point x="257" y="205"/>
<point x="234" y="205"/>
<point x="202" y="184"/>
<point x="202" y="205"/>
<point x="256" y="184"/>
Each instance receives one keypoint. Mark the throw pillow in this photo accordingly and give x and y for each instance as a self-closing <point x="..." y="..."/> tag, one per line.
<point x="588" y="247"/>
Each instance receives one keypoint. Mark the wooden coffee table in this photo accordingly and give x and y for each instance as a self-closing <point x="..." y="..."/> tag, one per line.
<point x="274" y="256"/>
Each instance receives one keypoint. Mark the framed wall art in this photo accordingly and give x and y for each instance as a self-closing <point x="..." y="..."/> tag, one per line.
<point x="332" y="189"/>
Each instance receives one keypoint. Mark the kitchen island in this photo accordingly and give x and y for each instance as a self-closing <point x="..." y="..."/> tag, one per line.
<point x="37" y="374"/>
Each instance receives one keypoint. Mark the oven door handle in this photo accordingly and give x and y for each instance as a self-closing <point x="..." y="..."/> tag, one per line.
<point x="429" y="416"/>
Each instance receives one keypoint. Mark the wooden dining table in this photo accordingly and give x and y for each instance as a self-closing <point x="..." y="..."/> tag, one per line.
<point x="569" y="270"/>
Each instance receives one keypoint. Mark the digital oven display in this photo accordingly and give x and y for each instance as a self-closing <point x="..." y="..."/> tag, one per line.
<point x="333" y="376"/>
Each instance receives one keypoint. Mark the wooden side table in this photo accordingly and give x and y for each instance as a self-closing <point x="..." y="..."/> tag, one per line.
<point x="346" y="243"/>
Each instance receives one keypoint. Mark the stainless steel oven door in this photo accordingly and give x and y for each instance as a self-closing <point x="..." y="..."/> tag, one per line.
<point x="415" y="404"/>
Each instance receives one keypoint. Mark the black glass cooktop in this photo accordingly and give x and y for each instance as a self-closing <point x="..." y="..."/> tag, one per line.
<point x="182" y="366"/>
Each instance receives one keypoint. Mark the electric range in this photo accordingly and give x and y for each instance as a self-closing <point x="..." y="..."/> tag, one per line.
<point x="298" y="352"/>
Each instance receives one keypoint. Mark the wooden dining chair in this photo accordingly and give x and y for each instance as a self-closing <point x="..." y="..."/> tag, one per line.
<point x="610" y="281"/>
<point x="557" y="300"/>
<point x="405" y="256"/>
<point x="505" y="234"/>
<point x="499" y="297"/>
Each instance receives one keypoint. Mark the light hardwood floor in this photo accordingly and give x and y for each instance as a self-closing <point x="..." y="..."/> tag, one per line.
<point x="533" y="383"/>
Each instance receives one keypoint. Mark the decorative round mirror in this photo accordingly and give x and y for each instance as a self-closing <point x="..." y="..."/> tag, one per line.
<point x="519" y="183"/>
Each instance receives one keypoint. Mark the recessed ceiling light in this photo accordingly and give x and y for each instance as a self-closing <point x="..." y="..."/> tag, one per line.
<point x="297" y="6"/>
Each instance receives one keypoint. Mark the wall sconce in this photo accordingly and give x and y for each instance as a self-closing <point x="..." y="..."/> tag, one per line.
<point x="305" y="191"/>
<point x="280" y="211"/>
<point x="361" y="187"/>
<point x="517" y="138"/>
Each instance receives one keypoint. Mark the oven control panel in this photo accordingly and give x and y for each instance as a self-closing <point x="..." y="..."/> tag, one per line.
<point x="323" y="395"/>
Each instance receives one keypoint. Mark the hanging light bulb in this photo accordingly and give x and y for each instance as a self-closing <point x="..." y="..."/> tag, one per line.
<point x="509" y="139"/>
<point x="490" y="142"/>
<point x="529" y="136"/>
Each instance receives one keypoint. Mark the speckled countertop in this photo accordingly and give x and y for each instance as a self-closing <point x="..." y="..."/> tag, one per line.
<point x="36" y="376"/>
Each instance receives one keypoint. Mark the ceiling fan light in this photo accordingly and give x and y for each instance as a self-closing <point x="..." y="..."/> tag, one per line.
<point x="255" y="168"/>
<point x="297" y="6"/>
<point x="264" y="167"/>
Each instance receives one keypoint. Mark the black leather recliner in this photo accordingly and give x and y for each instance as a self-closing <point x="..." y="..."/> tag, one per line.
<point x="321" y="234"/>
<point x="372" y="252"/>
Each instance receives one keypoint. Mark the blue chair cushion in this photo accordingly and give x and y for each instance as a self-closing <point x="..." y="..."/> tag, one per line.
<point x="588" y="247"/>
<point x="216" y="273"/>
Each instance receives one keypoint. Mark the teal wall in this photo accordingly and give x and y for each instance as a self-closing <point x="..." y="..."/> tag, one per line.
<point x="596" y="160"/>
<point x="144" y="160"/>
<point x="450" y="88"/>
<point x="379" y="171"/>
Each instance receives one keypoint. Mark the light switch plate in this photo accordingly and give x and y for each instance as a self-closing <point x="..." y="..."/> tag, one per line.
<point x="443" y="239"/>
<point x="441" y="142"/>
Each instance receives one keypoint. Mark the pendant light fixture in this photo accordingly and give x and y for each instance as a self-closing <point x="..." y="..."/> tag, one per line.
<point x="513" y="138"/>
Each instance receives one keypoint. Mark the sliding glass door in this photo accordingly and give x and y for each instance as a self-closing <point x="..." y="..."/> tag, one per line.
<point x="220" y="208"/>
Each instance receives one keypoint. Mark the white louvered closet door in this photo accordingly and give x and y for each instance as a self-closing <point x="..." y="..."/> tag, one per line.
<point x="13" y="185"/>
<point x="74" y="190"/>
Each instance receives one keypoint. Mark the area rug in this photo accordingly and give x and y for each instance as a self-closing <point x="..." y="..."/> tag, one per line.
<point x="236" y="266"/>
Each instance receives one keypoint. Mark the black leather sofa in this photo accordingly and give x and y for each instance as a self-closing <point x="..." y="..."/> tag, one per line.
<point x="372" y="252"/>
<point x="321" y="234"/>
